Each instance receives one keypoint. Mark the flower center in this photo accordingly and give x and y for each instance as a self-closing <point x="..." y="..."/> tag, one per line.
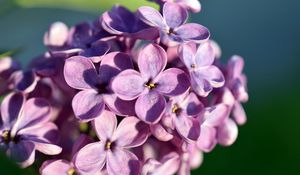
<point x="108" y="145"/>
<point x="71" y="171"/>
<point x="193" y="66"/>
<point x="171" y="31"/>
<point x="176" y="109"/>
<point x="6" y="136"/>
<point x="150" y="85"/>
<point x="102" y="88"/>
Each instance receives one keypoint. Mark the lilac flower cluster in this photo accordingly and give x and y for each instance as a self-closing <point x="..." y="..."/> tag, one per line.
<point x="134" y="93"/>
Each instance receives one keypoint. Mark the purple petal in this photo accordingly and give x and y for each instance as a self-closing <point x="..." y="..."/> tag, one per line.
<point x="24" y="81"/>
<point x="11" y="107"/>
<point x="150" y="107"/>
<point x="122" y="162"/>
<point x="46" y="148"/>
<point x="193" y="105"/>
<point x="118" y="21"/>
<point x="205" y="79"/>
<point x="80" y="73"/>
<point x="187" y="54"/>
<point x="174" y="15"/>
<point x="87" y="105"/>
<point x="193" y="5"/>
<point x="119" y="106"/>
<point x="36" y="111"/>
<point x="112" y="64"/>
<point x="105" y="125"/>
<point x="23" y="153"/>
<point x="55" y="167"/>
<point x="91" y="158"/>
<point x="239" y="114"/>
<point x="128" y="85"/>
<point x="160" y="133"/>
<point x="235" y="66"/>
<point x="208" y="138"/>
<point x="188" y="127"/>
<point x="205" y="55"/>
<point x="227" y="133"/>
<point x="97" y="50"/>
<point x="131" y="132"/>
<point x="57" y="35"/>
<point x="172" y="82"/>
<point x="193" y="32"/>
<point x="215" y="115"/>
<point x="152" y="60"/>
<point x="151" y="16"/>
<point x="169" y="164"/>
<point x="150" y="33"/>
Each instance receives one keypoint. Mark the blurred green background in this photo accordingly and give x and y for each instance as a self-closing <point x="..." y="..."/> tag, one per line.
<point x="265" y="32"/>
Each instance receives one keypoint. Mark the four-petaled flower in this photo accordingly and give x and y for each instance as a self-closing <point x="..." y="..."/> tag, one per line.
<point x="204" y="75"/>
<point x="171" y="25"/>
<point x="150" y="84"/>
<point x="112" y="149"/>
<point x="25" y="127"/>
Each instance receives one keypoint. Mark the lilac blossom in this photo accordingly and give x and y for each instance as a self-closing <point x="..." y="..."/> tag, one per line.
<point x="80" y="73"/>
<point x="204" y="75"/>
<point x="112" y="149"/>
<point x="171" y="25"/>
<point x="120" y="21"/>
<point x="150" y="84"/>
<point x="25" y="127"/>
<point x="192" y="5"/>
<point x="182" y="114"/>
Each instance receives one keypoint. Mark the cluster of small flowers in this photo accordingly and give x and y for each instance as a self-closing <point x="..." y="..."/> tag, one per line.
<point x="129" y="93"/>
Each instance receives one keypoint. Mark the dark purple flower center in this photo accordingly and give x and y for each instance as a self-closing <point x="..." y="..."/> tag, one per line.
<point x="71" y="171"/>
<point x="102" y="88"/>
<point x="193" y="66"/>
<point x="176" y="109"/>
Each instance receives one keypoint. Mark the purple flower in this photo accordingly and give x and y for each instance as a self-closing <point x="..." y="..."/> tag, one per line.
<point x="112" y="149"/>
<point x="80" y="73"/>
<point x="64" y="167"/>
<point x="181" y="114"/>
<point x="23" y="81"/>
<point x="25" y="127"/>
<point x="192" y="5"/>
<point x="213" y="118"/>
<point x="150" y="84"/>
<point x="120" y="21"/>
<point x="171" y="25"/>
<point x="168" y="165"/>
<point x="236" y="83"/>
<point x="204" y="75"/>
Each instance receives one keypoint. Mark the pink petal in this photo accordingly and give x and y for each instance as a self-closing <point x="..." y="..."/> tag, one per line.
<point x="172" y="82"/>
<point x="193" y="32"/>
<point x="151" y="16"/>
<point x="151" y="61"/>
<point x="105" y="125"/>
<point x="215" y="115"/>
<point x="188" y="127"/>
<point x="174" y="14"/>
<point x="87" y="105"/>
<point x="57" y="35"/>
<point x="205" y="55"/>
<point x="46" y="148"/>
<point x="131" y="132"/>
<point x="227" y="133"/>
<point x="36" y="111"/>
<point x="119" y="106"/>
<point x="235" y="66"/>
<point x="239" y="114"/>
<point x="150" y="107"/>
<point x="11" y="107"/>
<point x="193" y="106"/>
<point x="112" y="64"/>
<point x="80" y="73"/>
<point x="160" y="133"/>
<point x="208" y="138"/>
<point x="122" y="162"/>
<point x="91" y="158"/>
<point x="55" y="167"/>
<point x="128" y="85"/>
<point x="187" y="54"/>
